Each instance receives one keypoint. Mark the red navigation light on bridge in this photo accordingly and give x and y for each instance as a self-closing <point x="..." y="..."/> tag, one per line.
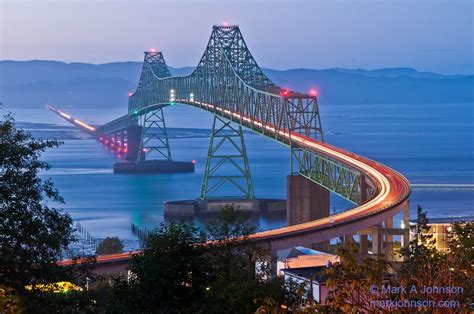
<point x="194" y="161"/>
<point x="313" y="92"/>
<point x="225" y="24"/>
<point x="284" y="92"/>
<point x="152" y="50"/>
<point x="130" y="94"/>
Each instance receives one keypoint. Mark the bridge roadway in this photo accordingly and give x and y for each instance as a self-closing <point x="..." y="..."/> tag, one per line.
<point x="392" y="191"/>
<point x="229" y="83"/>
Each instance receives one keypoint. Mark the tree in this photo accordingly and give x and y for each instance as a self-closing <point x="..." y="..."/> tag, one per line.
<point x="110" y="245"/>
<point x="297" y="300"/>
<point x="32" y="233"/>
<point x="240" y="269"/>
<point x="461" y="241"/>
<point x="351" y="280"/>
<point x="169" y="276"/>
<point x="185" y="270"/>
<point x="358" y="283"/>
<point x="424" y="266"/>
<point x="9" y="301"/>
<point x="421" y="246"/>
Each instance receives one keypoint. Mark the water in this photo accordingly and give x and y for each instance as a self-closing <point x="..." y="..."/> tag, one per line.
<point x="431" y="144"/>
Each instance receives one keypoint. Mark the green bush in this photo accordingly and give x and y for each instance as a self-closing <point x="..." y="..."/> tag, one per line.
<point x="110" y="245"/>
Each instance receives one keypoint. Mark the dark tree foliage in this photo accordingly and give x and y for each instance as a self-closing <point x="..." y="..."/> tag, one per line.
<point x="424" y="266"/>
<point x="168" y="277"/>
<point x="180" y="271"/>
<point x="110" y="245"/>
<point x="422" y="244"/>
<point x="229" y="225"/>
<point x="461" y="241"/>
<point x="32" y="233"/>
<point x="240" y="269"/>
<point x="351" y="279"/>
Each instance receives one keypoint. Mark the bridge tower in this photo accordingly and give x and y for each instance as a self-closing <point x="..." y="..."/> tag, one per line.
<point x="226" y="148"/>
<point x="153" y="141"/>
<point x="154" y="136"/>
<point x="303" y="118"/>
<point x="306" y="200"/>
<point x="148" y="148"/>
<point x="227" y="144"/>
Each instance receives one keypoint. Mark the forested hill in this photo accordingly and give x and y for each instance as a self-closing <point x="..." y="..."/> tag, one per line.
<point x="35" y="83"/>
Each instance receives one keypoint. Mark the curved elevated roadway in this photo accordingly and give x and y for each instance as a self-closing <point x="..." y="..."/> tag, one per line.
<point x="228" y="82"/>
<point x="391" y="192"/>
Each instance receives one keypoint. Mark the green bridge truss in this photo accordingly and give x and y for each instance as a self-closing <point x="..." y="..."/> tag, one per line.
<point x="229" y="83"/>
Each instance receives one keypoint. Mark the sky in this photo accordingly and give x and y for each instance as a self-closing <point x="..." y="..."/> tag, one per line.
<point x="429" y="35"/>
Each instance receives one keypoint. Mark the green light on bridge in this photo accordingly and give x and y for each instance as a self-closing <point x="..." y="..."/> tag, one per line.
<point x="135" y="112"/>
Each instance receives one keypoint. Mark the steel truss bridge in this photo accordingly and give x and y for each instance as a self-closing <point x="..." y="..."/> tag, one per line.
<point x="228" y="83"/>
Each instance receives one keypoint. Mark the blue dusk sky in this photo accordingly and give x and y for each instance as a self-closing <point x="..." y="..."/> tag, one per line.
<point x="429" y="35"/>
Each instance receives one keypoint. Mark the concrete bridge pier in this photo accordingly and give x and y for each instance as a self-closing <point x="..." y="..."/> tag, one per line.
<point x="377" y="239"/>
<point x="147" y="149"/>
<point x="306" y="201"/>
<point x="388" y="241"/>
<point x="111" y="140"/>
<point x="382" y="237"/>
<point x="363" y="244"/>
<point x="134" y="137"/>
<point x="405" y="241"/>
<point x="120" y="137"/>
<point x="348" y="238"/>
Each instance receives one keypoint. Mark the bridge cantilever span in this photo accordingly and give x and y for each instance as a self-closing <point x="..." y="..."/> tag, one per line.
<point x="392" y="191"/>
<point x="228" y="83"/>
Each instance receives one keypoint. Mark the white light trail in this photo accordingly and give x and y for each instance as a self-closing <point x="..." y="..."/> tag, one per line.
<point x="64" y="115"/>
<point x="84" y="125"/>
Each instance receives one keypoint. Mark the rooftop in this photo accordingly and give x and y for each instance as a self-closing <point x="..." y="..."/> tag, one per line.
<point x="314" y="273"/>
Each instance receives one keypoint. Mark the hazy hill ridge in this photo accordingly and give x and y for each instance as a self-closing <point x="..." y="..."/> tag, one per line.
<point x="34" y="83"/>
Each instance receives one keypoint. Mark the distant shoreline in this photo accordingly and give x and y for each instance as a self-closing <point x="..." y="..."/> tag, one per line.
<point x="30" y="84"/>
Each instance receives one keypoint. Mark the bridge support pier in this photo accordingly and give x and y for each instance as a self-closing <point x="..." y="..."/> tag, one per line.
<point x="154" y="136"/>
<point x="363" y="245"/>
<point x="122" y="138"/>
<point x="348" y="238"/>
<point x="147" y="139"/>
<point x="389" y="240"/>
<point x="377" y="239"/>
<point x="306" y="200"/>
<point x="405" y="241"/>
<point x="134" y="134"/>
